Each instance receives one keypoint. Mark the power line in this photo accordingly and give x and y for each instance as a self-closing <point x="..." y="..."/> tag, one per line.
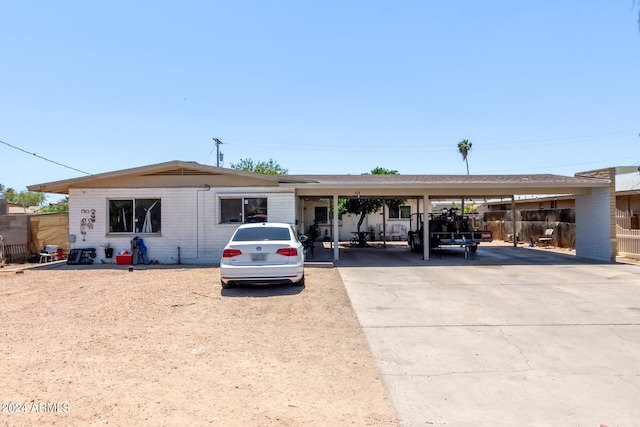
<point x="44" y="158"/>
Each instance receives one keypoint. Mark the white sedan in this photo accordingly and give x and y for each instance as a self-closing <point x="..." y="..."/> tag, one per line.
<point x="262" y="253"/>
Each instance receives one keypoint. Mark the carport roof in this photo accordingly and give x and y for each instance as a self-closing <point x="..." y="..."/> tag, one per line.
<point x="451" y="185"/>
<point x="180" y="173"/>
<point x="443" y="179"/>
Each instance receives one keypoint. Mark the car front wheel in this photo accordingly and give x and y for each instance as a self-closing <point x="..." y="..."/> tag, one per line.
<point x="225" y="285"/>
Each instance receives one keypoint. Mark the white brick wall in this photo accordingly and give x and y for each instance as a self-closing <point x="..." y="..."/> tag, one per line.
<point x="593" y="225"/>
<point x="190" y="220"/>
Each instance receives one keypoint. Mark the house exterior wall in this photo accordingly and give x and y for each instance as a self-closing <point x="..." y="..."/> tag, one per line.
<point x="374" y="221"/>
<point x="191" y="232"/>
<point x="348" y="222"/>
<point x="307" y="216"/>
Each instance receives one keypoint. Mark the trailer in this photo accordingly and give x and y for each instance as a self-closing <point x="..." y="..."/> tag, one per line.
<point x="447" y="229"/>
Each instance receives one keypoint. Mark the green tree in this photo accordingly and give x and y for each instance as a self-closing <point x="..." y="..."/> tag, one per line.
<point x="360" y="206"/>
<point x="26" y="198"/>
<point x="267" y="168"/>
<point x="382" y="171"/>
<point x="365" y="206"/>
<point x="464" y="147"/>
<point x="9" y="194"/>
<point x="467" y="209"/>
<point x="391" y="203"/>
<point x="60" y="206"/>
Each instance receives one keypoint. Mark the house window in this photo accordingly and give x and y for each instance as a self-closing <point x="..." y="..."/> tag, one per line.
<point x="553" y="204"/>
<point x="247" y="209"/>
<point x="135" y="216"/>
<point x="321" y="214"/>
<point x="403" y="212"/>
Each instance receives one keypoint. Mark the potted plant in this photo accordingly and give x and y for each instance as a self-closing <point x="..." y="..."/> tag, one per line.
<point x="314" y="231"/>
<point x="108" y="250"/>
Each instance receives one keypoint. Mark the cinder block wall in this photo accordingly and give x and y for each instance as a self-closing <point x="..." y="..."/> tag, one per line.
<point x="15" y="229"/>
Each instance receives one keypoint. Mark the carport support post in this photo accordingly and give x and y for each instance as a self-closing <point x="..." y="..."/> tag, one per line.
<point x="336" y="229"/>
<point x="425" y="229"/>
<point x="384" y="224"/>
<point x="513" y="221"/>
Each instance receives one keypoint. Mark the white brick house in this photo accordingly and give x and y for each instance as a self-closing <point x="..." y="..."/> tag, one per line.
<point x="193" y="209"/>
<point x="186" y="212"/>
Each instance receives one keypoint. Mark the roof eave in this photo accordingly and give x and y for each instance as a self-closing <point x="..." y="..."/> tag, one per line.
<point x="62" y="186"/>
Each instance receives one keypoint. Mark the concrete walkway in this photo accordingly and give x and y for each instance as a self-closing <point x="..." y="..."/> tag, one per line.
<point x="516" y="336"/>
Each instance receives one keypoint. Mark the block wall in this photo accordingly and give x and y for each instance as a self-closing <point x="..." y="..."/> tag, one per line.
<point x="593" y="226"/>
<point x="14" y="229"/>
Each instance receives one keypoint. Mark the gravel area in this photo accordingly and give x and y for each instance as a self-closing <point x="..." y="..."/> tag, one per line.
<point x="96" y="345"/>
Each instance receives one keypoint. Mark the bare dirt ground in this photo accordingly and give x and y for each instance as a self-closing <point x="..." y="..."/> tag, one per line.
<point x="167" y="346"/>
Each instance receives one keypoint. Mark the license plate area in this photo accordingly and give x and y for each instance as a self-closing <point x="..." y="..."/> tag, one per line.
<point x="259" y="257"/>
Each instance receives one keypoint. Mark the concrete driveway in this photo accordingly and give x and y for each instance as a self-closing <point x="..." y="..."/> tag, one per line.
<point x="516" y="336"/>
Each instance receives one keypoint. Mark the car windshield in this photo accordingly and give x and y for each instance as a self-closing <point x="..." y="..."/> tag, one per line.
<point x="261" y="233"/>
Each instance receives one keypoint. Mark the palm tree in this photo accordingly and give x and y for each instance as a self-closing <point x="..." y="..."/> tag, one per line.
<point x="464" y="147"/>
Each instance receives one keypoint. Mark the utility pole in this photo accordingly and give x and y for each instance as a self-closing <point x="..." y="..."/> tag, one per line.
<point x="218" y="142"/>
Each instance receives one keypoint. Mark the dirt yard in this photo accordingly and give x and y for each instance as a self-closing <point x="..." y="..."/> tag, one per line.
<point x="167" y="346"/>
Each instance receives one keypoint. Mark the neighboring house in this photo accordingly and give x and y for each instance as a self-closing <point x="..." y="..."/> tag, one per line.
<point x="530" y="203"/>
<point x="186" y="212"/>
<point x="16" y="209"/>
<point x="627" y="194"/>
<point x="628" y="190"/>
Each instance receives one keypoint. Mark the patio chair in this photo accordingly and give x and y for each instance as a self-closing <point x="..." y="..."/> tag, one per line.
<point x="395" y="231"/>
<point x="547" y="239"/>
<point x="49" y="253"/>
<point x="403" y="233"/>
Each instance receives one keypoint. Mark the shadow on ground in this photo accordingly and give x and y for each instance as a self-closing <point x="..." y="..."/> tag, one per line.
<point x="398" y="256"/>
<point x="394" y="254"/>
<point x="262" y="291"/>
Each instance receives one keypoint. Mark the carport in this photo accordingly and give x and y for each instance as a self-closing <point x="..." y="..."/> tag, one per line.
<point x="594" y="194"/>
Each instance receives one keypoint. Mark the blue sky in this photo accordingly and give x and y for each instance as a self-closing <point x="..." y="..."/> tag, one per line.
<point x="320" y="87"/>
